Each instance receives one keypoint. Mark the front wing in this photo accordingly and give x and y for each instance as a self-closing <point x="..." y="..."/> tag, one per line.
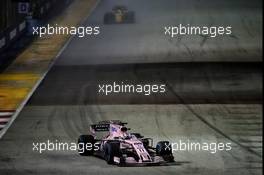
<point x="129" y="161"/>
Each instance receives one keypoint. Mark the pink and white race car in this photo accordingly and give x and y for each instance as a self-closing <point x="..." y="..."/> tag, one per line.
<point x="120" y="147"/>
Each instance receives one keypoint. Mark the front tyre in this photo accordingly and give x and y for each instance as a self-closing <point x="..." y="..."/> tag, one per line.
<point x="111" y="150"/>
<point x="164" y="150"/>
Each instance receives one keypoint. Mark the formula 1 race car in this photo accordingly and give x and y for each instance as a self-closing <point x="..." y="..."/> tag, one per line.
<point x="122" y="148"/>
<point x="119" y="15"/>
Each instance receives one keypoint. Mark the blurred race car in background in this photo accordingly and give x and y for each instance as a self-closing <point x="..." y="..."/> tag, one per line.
<point x="119" y="15"/>
<point x="119" y="147"/>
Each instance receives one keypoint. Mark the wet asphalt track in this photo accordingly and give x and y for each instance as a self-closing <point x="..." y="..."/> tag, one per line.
<point x="205" y="102"/>
<point x="145" y="42"/>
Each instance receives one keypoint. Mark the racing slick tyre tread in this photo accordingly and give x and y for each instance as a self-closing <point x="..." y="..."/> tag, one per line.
<point x="145" y="143"/>
<point x="130" y="17"/>
<point x="82" y="141"/>
<point x="112" y="149"/>
<point x="109" y="18"/>
<point x="164" y="150"/>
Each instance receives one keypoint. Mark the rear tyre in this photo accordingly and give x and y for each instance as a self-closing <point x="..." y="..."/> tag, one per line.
<point x="109" y="18"/>
<point x="130" y="17"/>
<point x="111" y="150"/>
<point x="164" y="150"/>
<point x="86" y="145"/>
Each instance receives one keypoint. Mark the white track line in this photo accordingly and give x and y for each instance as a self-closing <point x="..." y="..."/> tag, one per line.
<point x="5" y="119"/>
<point x="3" y="114"/>
<point x="2" y="126"/>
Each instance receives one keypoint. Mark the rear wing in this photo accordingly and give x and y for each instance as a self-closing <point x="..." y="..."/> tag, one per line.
<point x="99" y="127"/>
<point x="105" y="125"/>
